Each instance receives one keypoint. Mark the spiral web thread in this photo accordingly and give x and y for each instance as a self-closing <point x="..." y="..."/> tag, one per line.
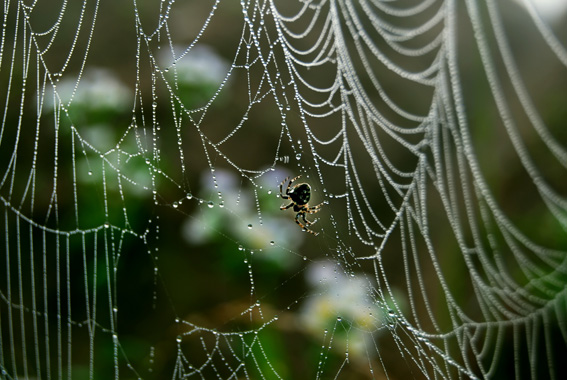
<point x="430" y="131"/>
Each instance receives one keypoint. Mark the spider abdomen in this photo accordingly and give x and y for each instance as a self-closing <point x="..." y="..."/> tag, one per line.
<point x="301" y="194"/>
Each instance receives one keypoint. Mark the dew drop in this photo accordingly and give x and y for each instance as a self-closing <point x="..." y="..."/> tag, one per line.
<point x="250" y="226"/>
<point x="189" y="196"/>
<point x="90" y="172"/>
<point x="210" y="204"/>
<point x="272" y="242"/>
<point x="175" y="204"/>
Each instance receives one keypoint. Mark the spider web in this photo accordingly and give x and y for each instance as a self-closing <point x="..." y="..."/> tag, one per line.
<point x="141" y="151"/>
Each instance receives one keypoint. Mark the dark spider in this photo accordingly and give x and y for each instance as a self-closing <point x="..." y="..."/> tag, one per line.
<point x="299" y="195"/>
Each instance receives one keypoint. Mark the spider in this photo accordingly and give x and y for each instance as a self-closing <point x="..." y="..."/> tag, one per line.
<point x="299" y="195"/>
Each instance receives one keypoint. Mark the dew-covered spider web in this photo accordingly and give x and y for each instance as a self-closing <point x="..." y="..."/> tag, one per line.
<point x="143" y="145"/>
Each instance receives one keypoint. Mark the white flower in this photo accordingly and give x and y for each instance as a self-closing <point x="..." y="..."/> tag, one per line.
<point x="201" y="64"/>
<point x="98" y="89"/>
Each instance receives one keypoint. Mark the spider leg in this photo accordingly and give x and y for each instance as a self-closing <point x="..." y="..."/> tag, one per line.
<point x="298" y="222"/>
<point x="304" y="227"/>
<point x="314" y="209"/>
<point x="286" y="207"/>
<point x="290" y="182"/>
<point x="284" y="196"/>
<point x="307" y="222"/>
<point x="294" y="179"/>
